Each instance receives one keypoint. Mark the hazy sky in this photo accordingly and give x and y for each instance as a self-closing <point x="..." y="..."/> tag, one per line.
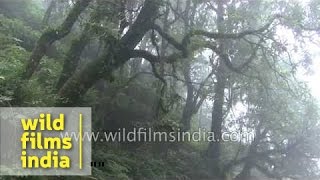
<point x="314" y="78"/>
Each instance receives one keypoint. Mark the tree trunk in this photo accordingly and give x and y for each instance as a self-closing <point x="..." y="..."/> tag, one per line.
<point x="115" y="56"/>
<point x="189" y="106"/>
<point x="44" y="42"/>
<point x="48" y="13"/>
<point x="246" y="171"/>
<point x="51" y="36"/>
<point x="72" y="58"/>
<point x="214" y="149"/>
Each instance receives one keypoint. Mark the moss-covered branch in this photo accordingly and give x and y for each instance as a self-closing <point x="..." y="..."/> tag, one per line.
<point x="116" y="54"/>
<point x="52" y="35"/>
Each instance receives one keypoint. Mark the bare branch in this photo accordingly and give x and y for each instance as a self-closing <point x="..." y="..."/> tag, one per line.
<point x="167" y="37"/>
<point x="239" y="35"/>
<point x="153" y="58"/>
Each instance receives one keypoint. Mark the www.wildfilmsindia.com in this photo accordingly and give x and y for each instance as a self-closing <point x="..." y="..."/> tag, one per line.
<point x="149" y="135"/>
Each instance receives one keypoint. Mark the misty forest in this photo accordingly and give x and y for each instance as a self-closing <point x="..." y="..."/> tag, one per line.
<point x="174" y="65"/>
